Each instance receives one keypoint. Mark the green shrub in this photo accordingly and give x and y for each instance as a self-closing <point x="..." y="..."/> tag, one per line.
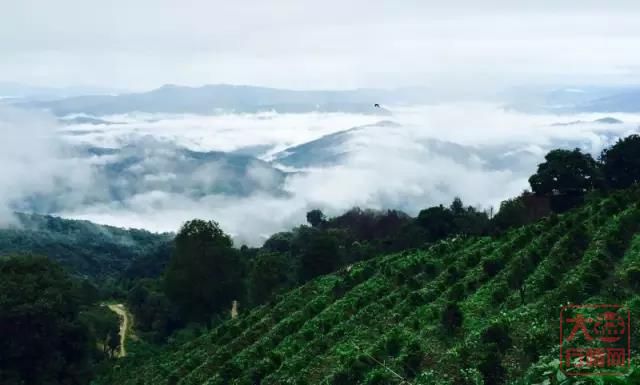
<point x="452" y="275"/>
<point x="393" y="343"/>
<point x="379" y="376"/>
<point x="456" y="293"/>
<point x="490" y="365"/>
<point x="413" y="359"/>
<point x="451" y="318"/>
<point x="632" y="276"/>
<point x="492" y="266"/>
<point x="497" y="334"/>
<point x="499" y="293"/>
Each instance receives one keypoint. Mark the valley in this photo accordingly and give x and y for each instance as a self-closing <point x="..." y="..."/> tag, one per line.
<point x="389" y="192"/>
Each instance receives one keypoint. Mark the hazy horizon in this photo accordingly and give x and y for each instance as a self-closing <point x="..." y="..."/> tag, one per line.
<point x="477" y="151"/>
<point x="461" y="45"/>
<point x="491" y="77"/>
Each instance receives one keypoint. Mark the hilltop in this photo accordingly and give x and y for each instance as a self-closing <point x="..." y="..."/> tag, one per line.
<point x="82" y="247"/>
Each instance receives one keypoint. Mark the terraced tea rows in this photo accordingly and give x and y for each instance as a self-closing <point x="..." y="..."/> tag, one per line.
<point x="385" y="321"/>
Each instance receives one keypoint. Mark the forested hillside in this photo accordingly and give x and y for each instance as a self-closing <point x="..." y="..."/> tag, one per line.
<point x="465" y="310"/>
<point x="82" y="247"/>
<point x="55" y="330"/>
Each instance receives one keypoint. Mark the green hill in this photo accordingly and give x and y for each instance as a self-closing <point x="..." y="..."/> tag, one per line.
<point x="467" y="310"/>
<point x="82" y="247"/>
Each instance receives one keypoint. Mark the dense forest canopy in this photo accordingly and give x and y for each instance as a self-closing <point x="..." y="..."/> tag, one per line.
<point x="84" y="248"/>
<point x="51" y="325"/>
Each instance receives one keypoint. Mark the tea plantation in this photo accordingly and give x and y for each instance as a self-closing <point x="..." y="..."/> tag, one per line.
<point x="466" y="310"/>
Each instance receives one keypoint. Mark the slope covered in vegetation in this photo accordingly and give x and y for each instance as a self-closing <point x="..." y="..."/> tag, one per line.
<point x="466" y="310"/>
<point x="82" y="247"/>
<point x="54" y="328"/>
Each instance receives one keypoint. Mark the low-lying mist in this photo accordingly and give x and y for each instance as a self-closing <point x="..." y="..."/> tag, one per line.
<point x="149" y="171"/>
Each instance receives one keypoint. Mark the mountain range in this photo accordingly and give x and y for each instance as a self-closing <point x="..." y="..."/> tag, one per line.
<point x="211" y="99"/>
<point x="148" y="167"/>
<point x="574" y="99"/>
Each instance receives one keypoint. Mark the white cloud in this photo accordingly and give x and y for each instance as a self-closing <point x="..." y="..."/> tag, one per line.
<point x="33" y="161"/>
<point x="227" y="132"/>
<point x="479" y="152"/>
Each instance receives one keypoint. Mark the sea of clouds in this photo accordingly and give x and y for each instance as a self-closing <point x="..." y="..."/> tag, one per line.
<point x="477" y="151"/>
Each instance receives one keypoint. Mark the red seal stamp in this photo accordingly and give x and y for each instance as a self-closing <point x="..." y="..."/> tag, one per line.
<point x="594" y="340"/>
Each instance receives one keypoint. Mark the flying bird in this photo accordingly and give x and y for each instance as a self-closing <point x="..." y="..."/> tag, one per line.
<point x="376" y="105"/>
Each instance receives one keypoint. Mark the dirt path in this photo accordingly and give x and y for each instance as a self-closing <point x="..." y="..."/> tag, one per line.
<point x="119" y="309"/>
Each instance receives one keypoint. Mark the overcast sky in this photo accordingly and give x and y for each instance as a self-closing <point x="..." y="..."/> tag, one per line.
<point x="142" y="44"/>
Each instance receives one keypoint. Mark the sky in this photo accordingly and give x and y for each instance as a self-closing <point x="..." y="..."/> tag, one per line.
<point x="455" y="47"/>
<point x="142" y="44"/>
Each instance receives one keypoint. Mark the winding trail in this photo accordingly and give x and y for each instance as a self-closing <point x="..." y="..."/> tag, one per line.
<point x="119" y="309"/>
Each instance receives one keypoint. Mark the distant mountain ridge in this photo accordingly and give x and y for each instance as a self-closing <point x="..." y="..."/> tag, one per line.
<point x="575" y="99"/>
<point x="86" y="120"/>
<point x="627" y="101"/>
<point x="149" y="166"/>
<point x="211" y="99"/>
<point x="332" y="149"/>
<point x="325" y="151"/>
<point x="605" y="120"/>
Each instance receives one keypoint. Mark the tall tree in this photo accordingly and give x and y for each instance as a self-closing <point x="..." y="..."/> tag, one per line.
<point x="457" y="207"/>
<point x="438" y="222"/>
<point x="204" y="274"/>
<point x="316" y="218"/>
<point x="43" y="340"/>
<point x="269" y="273"/>
<point x="468" y="220"/>
<point x="621" y="162"/>
<point x="104" y="328"/>
<point x="565" y="176"/>
<point x="319" y="253"/>
<point x="519" y="211"/>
